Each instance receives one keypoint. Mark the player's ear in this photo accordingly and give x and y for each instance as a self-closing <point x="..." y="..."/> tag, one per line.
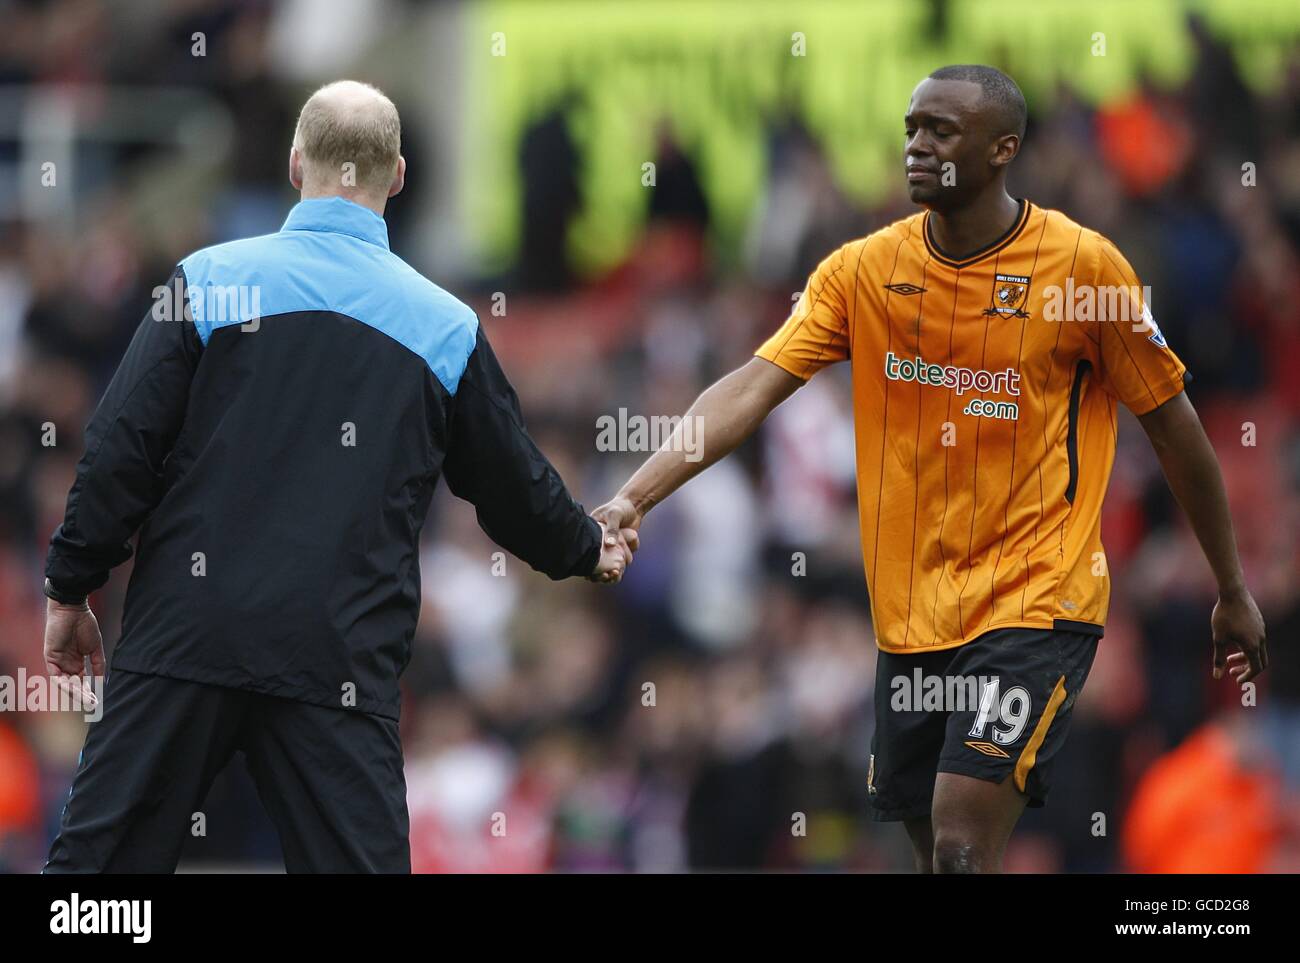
<point x="1005" y="149"/>
<point x="399" y="178"/>
<point x="295" y="168"/>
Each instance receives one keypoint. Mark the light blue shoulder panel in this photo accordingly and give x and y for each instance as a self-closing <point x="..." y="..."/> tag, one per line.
<point x="260" y="277"/>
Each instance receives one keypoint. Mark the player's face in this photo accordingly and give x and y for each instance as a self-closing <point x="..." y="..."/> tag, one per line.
<point x="948" y="144"/>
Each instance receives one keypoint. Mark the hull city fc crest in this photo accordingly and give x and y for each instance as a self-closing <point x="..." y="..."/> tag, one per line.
<point x="1010" y="291"/>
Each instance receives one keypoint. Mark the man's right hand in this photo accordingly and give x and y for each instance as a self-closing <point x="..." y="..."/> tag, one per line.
<point x="618" y="514"/>
<point x="616" y="549"/>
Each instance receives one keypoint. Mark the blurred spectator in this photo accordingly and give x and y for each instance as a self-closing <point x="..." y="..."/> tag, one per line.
<point x="1213" y="805"/>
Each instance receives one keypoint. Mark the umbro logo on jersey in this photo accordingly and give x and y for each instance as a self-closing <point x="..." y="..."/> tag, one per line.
<point x="988" y="749"/>
<point x="904" y="288"/>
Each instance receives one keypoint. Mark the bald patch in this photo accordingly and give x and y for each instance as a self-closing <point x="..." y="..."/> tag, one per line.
<point x="349" y="135"/>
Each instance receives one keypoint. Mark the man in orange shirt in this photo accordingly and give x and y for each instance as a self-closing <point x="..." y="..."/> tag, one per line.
<point x="1174" y="822"/>
<point x="990" y="341"/>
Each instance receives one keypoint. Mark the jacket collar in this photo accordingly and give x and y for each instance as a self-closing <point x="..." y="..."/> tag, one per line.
<point x="337" y="215"/>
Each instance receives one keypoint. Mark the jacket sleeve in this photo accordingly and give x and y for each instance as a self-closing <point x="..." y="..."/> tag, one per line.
<point x="119" y="479"/>
<point x="521" y="500"/>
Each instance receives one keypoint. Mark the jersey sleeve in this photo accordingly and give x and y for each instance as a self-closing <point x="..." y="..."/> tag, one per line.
<point x="817" y="332"/>
<point x="1136" y="364"/>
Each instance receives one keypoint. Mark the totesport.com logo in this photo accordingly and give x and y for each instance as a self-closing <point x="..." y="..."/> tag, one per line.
<point x="960" y="380"/>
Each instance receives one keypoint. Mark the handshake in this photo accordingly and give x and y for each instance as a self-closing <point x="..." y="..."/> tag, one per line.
<point x="619" y="521"/>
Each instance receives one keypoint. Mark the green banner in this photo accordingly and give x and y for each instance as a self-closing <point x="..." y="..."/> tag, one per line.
<point x="720" y="74"/>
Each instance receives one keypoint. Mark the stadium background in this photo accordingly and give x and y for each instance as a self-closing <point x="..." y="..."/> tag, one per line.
<point x="775" y="131"/>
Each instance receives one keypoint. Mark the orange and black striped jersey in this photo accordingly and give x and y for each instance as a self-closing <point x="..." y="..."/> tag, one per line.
<point x="984" y="394"/>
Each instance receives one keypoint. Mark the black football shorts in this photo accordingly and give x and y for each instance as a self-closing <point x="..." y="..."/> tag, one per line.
<point x="997" y="707"/>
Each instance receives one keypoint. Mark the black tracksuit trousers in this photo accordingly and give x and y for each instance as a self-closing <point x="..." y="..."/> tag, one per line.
<point x="330" y="778"/>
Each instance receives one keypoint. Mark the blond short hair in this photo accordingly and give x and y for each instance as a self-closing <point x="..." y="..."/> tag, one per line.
<point x="349" y="123"/>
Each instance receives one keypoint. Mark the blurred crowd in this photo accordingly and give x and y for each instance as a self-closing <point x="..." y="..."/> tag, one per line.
<point x="714" y="711"/>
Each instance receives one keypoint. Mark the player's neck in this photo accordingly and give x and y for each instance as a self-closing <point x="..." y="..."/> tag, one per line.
<point x="964" y="231"/>
<point x="366" y="200"/>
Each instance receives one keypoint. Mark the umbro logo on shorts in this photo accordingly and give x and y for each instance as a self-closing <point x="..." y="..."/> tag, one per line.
<point x="988" y="749"/>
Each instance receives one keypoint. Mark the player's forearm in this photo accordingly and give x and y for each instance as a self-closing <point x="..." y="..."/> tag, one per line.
<point x="722" y="418"/>
<point x="1193" y="474"/>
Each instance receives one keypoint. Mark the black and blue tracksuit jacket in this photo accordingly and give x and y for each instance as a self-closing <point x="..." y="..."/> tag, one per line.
<point x="275" y="433"/>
